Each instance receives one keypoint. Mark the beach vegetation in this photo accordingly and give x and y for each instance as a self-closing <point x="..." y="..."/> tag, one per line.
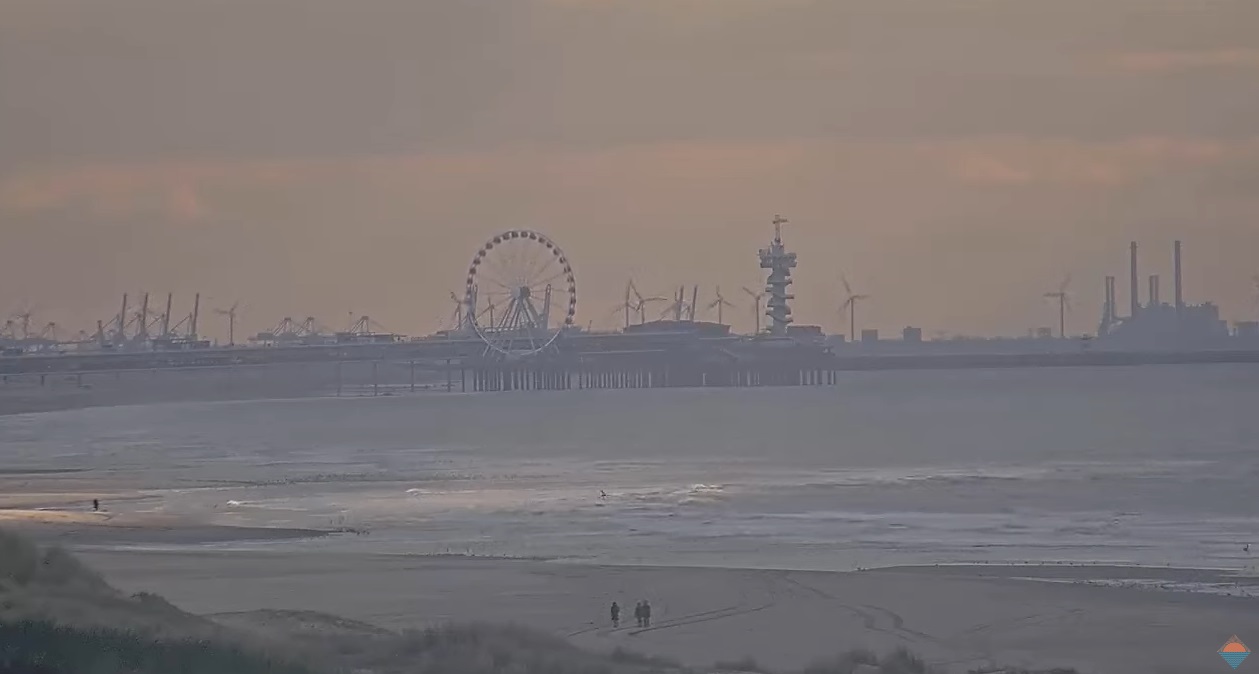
<point x="57" y="616"/>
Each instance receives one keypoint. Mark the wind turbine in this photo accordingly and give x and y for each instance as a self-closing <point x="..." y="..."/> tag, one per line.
<point x="678" y="307"/>
<point x="756" y="303"/>
<point x="641" y="304"/>
<point x="1064" y="303"/>
<point x="457" y="315"/>
<point x="720" y="303"/>
<point x="230" y="312"/>
<point x="616" y="310"/>
<point x="627" y="305"/>
<point x="850" y="305"/>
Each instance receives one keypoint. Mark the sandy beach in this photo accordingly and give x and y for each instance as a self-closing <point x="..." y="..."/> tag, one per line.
<point x="959" y="617"/>
<point x="346" y="506"/>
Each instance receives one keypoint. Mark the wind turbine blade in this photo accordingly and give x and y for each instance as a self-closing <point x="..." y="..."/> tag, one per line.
<point x="847" y="286"/>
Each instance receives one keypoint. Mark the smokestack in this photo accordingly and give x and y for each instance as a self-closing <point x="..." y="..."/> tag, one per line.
<point x="1135" y="291"/>
<point x="1180" y="295"/>
<point x="1154" y="295"/>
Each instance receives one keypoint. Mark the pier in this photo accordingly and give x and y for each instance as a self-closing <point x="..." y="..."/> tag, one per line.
<point x="524" y="337"/>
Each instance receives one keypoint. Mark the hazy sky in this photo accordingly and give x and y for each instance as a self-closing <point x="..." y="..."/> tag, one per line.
<point x="954" y="159"/>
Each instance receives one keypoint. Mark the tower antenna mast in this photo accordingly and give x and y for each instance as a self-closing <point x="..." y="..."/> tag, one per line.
<point x="779" y="262"/>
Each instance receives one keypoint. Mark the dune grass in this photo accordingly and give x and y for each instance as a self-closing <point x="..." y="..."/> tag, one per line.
<point x="41" y="646"/>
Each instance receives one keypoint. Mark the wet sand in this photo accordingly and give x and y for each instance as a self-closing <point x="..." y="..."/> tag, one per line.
<point x="960" y="617"/>
<point x="72" y="529"/>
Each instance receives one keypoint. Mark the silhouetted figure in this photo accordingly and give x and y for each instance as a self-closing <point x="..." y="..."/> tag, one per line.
<point x="96" y="505"/>
<point x="638" y="613"/>
<point x="646" y="614"/>
<point x="616" y="615"/>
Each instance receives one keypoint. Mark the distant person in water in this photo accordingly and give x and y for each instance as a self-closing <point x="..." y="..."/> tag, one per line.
<point x="96" y="505"/>
<point x="646" y="614"/>
<point x="616" y="615"/>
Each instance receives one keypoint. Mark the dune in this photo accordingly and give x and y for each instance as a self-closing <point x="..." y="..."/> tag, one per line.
<point x="59" y="616"/>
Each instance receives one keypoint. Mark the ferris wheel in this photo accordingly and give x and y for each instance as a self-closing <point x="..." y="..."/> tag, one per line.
<point x="521" y="293"/>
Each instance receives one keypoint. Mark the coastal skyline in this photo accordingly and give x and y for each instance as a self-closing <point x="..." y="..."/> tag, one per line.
<point x="954" y="161"/>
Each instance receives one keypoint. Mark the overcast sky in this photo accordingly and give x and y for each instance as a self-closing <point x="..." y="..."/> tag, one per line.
<point x="955" y="160"/>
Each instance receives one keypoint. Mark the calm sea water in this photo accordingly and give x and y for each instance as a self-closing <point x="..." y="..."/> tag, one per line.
<point x="1155" y="465"/>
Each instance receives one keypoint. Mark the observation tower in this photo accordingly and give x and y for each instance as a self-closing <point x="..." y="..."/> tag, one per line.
<point x="779" y="262"/>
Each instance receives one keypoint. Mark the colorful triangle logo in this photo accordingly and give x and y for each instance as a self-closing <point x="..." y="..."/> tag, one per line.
<point x="1234" y="652"/>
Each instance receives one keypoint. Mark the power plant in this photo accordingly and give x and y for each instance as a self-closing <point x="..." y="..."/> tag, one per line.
<point x="1154" y="323"/>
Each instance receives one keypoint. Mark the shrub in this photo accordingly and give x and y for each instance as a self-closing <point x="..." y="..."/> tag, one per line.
<point x="39" y="646"/>
<point x="747" y="664"/>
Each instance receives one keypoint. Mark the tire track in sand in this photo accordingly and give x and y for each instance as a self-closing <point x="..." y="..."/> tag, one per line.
<point x="868" y="613"/>
<point x="871" y="621"/>
<point x="705" y="615"/>
<point x="743" y="607"/>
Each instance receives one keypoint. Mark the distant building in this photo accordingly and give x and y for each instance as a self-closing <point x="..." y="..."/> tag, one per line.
<point x="1164" y="325"/>
<point x="805" y="332"/>
<point x="179" y="344"/>
<point x="703" y="328"/>
<point x="912" y="334"/>
<point x="869" y="336"/>
<point x="1246" y="328"/>
<point x="1157" y="324"/>
<point x="367" y="338"/>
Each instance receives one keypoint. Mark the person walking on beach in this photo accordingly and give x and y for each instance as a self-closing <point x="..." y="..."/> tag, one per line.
<point x="616" y="615"/>
<point x="646" y="614"/>
<point x="638" y="613"/>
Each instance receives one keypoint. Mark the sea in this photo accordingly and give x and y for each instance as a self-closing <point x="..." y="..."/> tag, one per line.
<point x="1153" y="466"/>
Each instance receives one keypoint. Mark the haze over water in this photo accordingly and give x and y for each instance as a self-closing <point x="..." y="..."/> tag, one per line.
<point x="1151" y="465"/>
